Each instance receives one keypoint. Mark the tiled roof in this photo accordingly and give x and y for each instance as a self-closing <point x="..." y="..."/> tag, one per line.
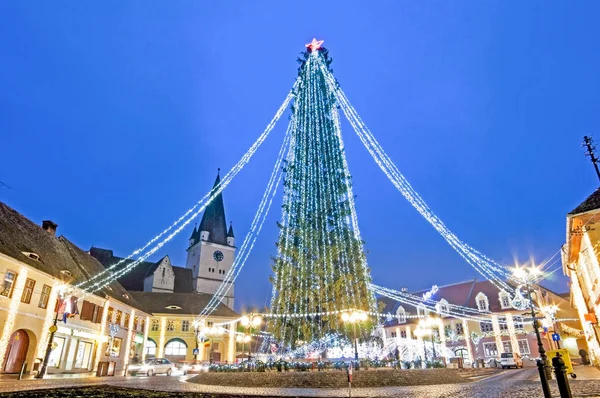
<point x="591" y="203"/>
<point x="134" y="279"/>
<point x="18" y="234"/>
<point x="187" y="303"/>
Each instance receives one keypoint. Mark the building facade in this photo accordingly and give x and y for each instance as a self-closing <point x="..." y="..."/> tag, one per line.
<point x="492" y="327"/>
<point x="36" y="268"/>
<point x="580" y="257"/>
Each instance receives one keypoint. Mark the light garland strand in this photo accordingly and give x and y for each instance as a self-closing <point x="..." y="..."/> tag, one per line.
<point x="202" y="203"/>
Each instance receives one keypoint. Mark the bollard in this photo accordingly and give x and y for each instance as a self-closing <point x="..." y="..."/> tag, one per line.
<point x="561" y="376"/>
<point x="23" y="367"/>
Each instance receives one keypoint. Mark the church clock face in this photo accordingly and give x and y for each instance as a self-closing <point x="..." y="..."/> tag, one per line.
<point x="218" y="256"/>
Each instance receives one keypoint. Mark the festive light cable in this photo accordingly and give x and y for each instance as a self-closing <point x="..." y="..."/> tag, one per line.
<point x="224" y="182"/>
<point x="476" y="259"/>
<point x="250" y="238"/>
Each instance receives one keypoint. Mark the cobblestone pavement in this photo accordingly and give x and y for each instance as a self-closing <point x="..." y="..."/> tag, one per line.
<point x="513" y="384"/>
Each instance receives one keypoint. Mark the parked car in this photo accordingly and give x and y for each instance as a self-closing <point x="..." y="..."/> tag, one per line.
<point x="511" y="359"/>
<point x="153" y="367"/>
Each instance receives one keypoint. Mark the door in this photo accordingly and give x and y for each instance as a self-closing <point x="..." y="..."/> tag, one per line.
<point x="16" y="351"/>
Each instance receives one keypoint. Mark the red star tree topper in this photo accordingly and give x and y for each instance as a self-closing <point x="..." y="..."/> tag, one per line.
<point x="315" y="44"/>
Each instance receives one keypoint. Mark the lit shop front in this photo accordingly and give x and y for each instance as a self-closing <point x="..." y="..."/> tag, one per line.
<point x="73" y="350"/>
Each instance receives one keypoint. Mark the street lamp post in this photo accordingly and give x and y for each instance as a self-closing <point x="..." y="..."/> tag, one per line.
<point x="354" y="317"/>
<point x="526" y="276"/>
<point x="250" y="321"/>
<point x="212" y="332"/>
<point x="53" y="330"/>
<point x="196" y="332"/>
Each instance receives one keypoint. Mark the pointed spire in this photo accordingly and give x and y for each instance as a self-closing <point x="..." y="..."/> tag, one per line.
<point x="195" y="232"/>
<point x="213" y="219"/>
<point x="230" y="232"/>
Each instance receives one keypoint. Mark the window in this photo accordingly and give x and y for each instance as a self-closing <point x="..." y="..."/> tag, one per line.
<point x="170" y="326"/>
<point x="518" y="321"/>
<point x="45" y="296"/>
<point x="503" y="325"/>
<point x="394" y="334"/>
<point x="507" y="346"/>
<point x="127" y="317"/>
<point x="110" y="314"/>
<point x="154" y="325"/>
<point x="83" y="355"/>
<point x="459" y="329"/>
<point x="486" y="327"/>
<point x="57" y="351"/>
<point x="401" y="314"/>
<point x="504" y="300"/>
<point x="150" y="348"/>
<point x="482" y="302"/>
<point x="9" y="283"/>
<point x="176" y="347"/>
<point x="117" y="343"/>
<point x="209" y="324"/>
<point x="119" y="317"/>
<point x="403" y="334"/>
<point x="523" y="347"/>
<point x="442" y="307"/>
<point x="136" y="322"/>
<point x="143" y="325"/>
<point x="185" y="326"/>
<point x="421" y="311"/>
<point x="490" y="349"/>
<point x="27" y="291"/>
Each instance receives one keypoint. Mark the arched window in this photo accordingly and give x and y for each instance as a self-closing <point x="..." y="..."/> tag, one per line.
<point x="150" y="348"/>
<point x="175" y="347"/>
<point x="482" y="301"/>
<point x="504" y="299"/>
<point x="443" y="308"/>
<point x="401" y="315"/>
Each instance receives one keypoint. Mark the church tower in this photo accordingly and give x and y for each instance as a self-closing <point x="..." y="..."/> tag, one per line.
<point x="211" y="249"/>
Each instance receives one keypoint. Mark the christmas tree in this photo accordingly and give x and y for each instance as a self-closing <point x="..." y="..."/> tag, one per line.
<point x="320" y="267"/>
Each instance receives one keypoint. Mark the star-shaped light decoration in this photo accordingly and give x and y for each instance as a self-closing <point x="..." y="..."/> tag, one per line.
<point x="315" y="44"/>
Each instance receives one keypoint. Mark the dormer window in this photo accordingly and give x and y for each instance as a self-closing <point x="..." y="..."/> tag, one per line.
<point x="442" y="308"/>
<point x="66" y="272"/>
<point x="126" y="296"/>
<point x="401" y="315"/>
<point x="173" y="307"/>
<point x="482" y="302"/>
<point x="504" y="299"/>
<point x="421" y="311"/>
<point x="33" y="256"/>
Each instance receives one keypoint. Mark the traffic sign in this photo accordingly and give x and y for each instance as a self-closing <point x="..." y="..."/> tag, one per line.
<point x="195" y="351"/>
<point x="555" y="337"/>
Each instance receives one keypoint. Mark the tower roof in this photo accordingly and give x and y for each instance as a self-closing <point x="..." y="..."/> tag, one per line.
<point x="213" y="219"/>
<point x="230" y="232"/>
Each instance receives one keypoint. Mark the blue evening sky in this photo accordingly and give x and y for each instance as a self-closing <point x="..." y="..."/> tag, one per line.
<point x="115" y="116"/>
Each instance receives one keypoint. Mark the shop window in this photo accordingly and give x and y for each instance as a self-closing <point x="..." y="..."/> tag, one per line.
<point x="83" y="356"/>
<point x="490" y="349"/>
<point x="115" y="350"/>
<point x="185" y="326"/>
<point x="150" y="348"/>
<point x="9" y="284"/>
<point x="523" y="347"/>
<point x="27" y="291"/>
<point x="154" y="326"/>
<point x="45" y="296"/>
<point x="175" y="347"/>
<point x="486" y="327"/>
<point x="170" y="326"/>
<point x="58" y="345"/>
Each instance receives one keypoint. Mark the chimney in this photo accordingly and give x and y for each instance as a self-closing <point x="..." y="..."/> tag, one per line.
<point x="50" y="227"/>
<point x="404" y="290"/>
